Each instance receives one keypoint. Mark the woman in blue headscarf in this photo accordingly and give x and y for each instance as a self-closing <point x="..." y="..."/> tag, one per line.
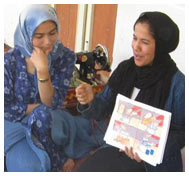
<point x="39" y="135"/>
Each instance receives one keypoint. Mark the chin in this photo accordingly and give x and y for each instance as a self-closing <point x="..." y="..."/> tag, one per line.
<point x="47" y="51"/>
<point x="139" y="64"/>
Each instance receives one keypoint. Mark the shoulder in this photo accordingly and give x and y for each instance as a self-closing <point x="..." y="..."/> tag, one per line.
<point x="64" y="51"/>
<point x="177" y="90"/>
<point x="69" y="55"/>
<point x="68" y="51"/>
<point x="12" y="55"/>
<point x="13" y="60"/>
<point x="62" y="55"/>
<point x="123" y="68"/>
<point x="178" y="80"/>
<point x="179" y="76"/>
<point x="125" y="63"/>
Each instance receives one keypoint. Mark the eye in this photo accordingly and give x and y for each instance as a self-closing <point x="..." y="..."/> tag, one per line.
<point x="145" y="42"/>
<point x="38" y="36"/>
<point x="53" y="32"/>
<point x="134" y="38"/>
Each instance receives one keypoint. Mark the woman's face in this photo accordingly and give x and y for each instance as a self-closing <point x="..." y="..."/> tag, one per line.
<point x="45" y="36"/>
<point x="143" y="45"/>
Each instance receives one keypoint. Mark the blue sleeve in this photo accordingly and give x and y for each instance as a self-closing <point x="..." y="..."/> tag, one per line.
<point x="176" y="105"/>
<point x="13" y="110"/>
<point x="178" y="108"/>
<point x="101" y="107"/>
<point x="61" y="75"/>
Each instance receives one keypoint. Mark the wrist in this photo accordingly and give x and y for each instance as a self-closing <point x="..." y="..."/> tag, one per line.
<point x="42" y="74"/>
<point x="42" y="70"/>
<point x="43" y="80"/>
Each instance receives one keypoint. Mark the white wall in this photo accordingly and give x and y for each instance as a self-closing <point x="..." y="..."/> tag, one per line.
<point x="126" y="17"/>
<point x="11" y="17"/>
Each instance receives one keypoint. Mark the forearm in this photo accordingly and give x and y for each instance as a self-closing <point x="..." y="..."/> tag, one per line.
<point x="97" y="110"/>
<point x="101" y="107"/>
<point x="30" y="108"/>
<point x="46" y="90"/>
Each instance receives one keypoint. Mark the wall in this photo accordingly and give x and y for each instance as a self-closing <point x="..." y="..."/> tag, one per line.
<point x="126" y="17"/>
<point x="11" y="16"/>
<point x="67" y="16"/>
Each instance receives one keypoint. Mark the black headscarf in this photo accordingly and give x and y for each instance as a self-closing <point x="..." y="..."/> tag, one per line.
<point x="153" y="81"/>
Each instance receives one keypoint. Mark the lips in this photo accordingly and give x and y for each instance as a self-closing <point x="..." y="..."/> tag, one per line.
<point x="47" y="49"/>
<point x="137" y="57"/>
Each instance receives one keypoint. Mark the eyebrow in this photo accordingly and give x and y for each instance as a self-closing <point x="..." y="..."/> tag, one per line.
<point x="38" y="33"/>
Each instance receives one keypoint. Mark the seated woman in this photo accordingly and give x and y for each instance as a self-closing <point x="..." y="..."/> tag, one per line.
<point x="38" y="134"/>
<point x="149" y="76"/>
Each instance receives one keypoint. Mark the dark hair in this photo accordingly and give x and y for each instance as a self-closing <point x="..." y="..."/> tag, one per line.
<point x="144" y="19"/>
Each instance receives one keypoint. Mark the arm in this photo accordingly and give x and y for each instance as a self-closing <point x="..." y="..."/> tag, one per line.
<point x="100" y="107"/>
<point x="46" y="89"/>
<point x="40" y="62"/>
<point x="14" y="110"/>
<point x="30" y="108"/>
<point x="176" y="105"/>
<point x="53" y="91"/>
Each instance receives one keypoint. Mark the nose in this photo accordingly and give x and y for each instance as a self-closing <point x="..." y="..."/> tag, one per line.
<point x="136" y="46"/>
<point x="47" y="40"/>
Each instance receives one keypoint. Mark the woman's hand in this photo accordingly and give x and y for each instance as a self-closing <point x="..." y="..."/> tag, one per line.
<point x="130" y="154"/>
<point x="39" y="60"/>
<point x="84" y="93"/>
<point x="30" y="108"/>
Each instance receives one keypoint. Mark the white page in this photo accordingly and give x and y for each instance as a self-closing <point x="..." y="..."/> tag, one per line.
<point x="141" y="126"/>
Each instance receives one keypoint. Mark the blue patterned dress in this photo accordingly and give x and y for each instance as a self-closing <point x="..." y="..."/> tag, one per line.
<point x="50" y="129"/>
<point x="48" y="135"/>
<point x="20" y="89"/>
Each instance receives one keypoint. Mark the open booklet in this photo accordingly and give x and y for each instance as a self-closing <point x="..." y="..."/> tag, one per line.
<point x="137" y="125"/>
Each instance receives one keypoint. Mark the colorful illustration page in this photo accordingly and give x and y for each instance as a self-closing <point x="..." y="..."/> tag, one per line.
<point x="143" y="127"/>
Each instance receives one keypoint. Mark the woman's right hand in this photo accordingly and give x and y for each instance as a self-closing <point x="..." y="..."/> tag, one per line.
<point x="84" y="93"/>
<point x="39" y="60"/>
<point x="130" y="153"/>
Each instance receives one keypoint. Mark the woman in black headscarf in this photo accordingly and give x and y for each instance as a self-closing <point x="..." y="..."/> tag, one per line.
<point x="151" y="77"/>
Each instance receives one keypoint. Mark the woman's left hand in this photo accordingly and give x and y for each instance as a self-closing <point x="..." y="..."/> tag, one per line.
<point x="130" y="154"/>
<point x="39" y="60"/>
